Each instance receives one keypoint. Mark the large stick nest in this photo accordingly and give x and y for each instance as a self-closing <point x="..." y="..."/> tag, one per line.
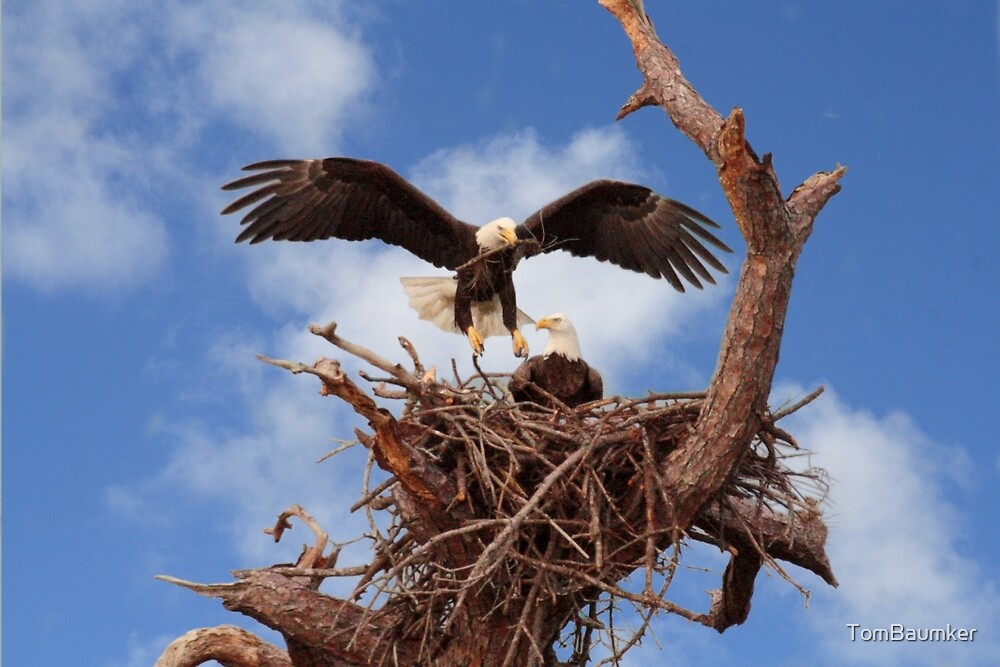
<point x="555" y="504"/>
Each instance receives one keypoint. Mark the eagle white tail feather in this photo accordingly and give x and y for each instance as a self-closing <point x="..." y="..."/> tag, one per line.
<point x="434" y="301"/>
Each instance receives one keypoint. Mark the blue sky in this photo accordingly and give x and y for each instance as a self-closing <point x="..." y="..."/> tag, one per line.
<point x="140" y="436"/>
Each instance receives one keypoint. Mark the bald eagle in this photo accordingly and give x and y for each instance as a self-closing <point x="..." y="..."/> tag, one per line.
<point x="628" y="225"/>
<point x="561" y="371"/>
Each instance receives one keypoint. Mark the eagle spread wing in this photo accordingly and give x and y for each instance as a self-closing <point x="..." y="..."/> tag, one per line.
<point x="346" y="198"/>
<point x="631" y="226"/>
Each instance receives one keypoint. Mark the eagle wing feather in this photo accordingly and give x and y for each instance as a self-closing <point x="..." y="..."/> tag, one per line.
<point x="346" y="198"/>
<point x="631" y="226"/>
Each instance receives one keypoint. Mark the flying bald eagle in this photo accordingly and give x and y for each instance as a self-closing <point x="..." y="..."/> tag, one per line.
<point x="346" y="198"/>
<point x="561" y="371"/>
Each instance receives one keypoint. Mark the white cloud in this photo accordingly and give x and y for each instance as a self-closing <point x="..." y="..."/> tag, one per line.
<point x="107" y="102"/>
<point x="276" y="70"/>
<point x="517" y="174"/>
<point x="897" y="538"/>
<point x="72" y="221"/>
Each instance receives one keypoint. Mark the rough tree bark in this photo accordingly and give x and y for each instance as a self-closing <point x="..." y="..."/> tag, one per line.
<point x="681" y="497"/>
<point x="775" y="231"/>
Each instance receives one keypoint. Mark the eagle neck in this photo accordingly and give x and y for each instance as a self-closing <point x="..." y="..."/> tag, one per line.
<point x="563" y="343"/>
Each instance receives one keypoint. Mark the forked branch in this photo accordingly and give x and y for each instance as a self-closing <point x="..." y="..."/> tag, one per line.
<point x="775" y="230"/>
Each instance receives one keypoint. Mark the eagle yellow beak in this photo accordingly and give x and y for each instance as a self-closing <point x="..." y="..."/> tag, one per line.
<point x="544" y="323"/>
<point x="509" y="235"/>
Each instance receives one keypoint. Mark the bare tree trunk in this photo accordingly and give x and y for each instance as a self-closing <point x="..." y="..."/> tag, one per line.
<point x="775" y="231"/>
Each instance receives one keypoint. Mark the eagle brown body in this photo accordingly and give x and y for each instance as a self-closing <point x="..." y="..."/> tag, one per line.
<point x="480" y="282"/>
<point x="572" y="382"/>
<point x="561" y="372"/>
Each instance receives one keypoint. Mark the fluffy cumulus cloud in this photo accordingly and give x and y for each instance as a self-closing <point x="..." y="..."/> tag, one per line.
<point x="73" y="218"/>
<point x="107" y="102"/>
<point x="896" y="540"/>
<point x="277" y="71"/>
<point x="515" y="174"/>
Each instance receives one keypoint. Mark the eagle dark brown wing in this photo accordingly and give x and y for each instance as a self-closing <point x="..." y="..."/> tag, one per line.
<point x="631" y="226"/>
<point x="346" y="198"/>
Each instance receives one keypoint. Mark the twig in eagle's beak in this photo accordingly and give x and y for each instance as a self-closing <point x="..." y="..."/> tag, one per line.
<point x="530" y="245"/>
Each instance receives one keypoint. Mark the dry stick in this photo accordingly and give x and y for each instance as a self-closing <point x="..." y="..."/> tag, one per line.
<point x="525" y="611"/>
<point x="479" y="465"/>
<point x="637" y="635"/>
<point x="315" y="553"/>
<point x="582" y="644"/>
<point x="611" y="503"/>
<point x="617" y="591"/>
<point x="489" y="560"/>
<point x="382" y="392"/>
<point x="486" y="381"/>
<point x="460" y="480"/>
<point x="612" y="637"/>
<point x="418" y="368"/>
<point x="328" y="333"/>
<point x="370" y="495"/>
<point x="378" y="562"/>
<point x="566" y="537"/>
<point x="650" y="493"/>
<point x="344" y="446"/>
<point x="482" y="257"/>
<point x="470" y="527"/>
<point x="809" y="398"/>
<point x="595" y="524"/>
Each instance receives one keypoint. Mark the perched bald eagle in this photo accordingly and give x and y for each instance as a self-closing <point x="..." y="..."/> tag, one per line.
<point x="561" y="371"/>
<point x="625" y="224"/>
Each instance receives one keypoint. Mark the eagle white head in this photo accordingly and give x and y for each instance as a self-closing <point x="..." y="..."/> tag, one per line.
<point x="496" y="234"/>
<point x="562" y="336"/>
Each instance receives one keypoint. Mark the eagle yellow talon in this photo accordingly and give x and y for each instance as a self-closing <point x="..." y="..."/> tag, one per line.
<point x="475" y="340"/>
<point x="520" y="345"/>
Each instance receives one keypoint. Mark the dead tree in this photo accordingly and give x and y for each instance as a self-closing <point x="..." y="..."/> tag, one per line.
<point x="511" y="530"/>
